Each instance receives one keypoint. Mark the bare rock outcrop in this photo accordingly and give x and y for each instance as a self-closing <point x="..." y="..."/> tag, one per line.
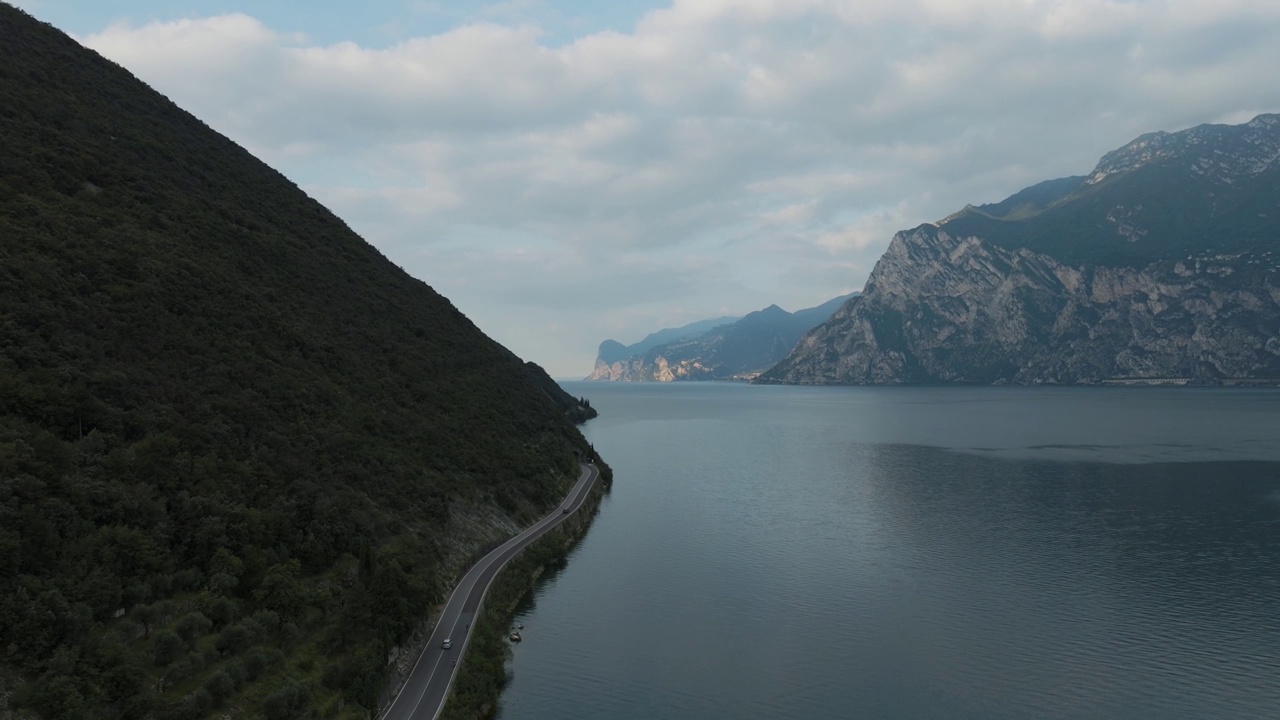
<point x="1163" y="264"/>
<point x="939" y="308"/>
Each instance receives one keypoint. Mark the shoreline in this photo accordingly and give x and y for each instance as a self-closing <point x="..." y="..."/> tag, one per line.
<point x="483" y="675"/>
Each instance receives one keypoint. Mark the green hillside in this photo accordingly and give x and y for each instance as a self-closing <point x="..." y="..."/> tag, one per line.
<point x="1033" y="200"/>
<point x="235" y="440"/>
<point x="1212" y="189"/>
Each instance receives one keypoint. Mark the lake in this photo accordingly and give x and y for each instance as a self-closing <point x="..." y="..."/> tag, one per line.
<point x="792" y="552"/>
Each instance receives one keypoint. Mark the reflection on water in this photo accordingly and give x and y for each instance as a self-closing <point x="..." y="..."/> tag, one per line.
<point x="973" y="553"/>
<point x="1086" y="590"/>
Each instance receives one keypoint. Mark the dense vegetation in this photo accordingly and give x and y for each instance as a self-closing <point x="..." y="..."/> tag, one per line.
<point x="484" y="671"/>
<point x="235" y="440"/>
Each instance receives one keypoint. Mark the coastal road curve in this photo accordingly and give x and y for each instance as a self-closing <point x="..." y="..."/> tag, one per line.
<point x="424" y="693"/>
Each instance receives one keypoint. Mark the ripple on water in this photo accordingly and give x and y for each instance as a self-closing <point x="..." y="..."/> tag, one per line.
<point x="825" y="554"/>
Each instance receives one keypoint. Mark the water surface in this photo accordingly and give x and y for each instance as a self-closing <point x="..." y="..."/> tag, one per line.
<point x="774" y="552"/>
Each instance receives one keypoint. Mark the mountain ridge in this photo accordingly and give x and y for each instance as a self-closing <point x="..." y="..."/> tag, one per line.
<point x="727" y="351"/>
<point x="1165" y="195"/>
<point x="1164" y="262"/>
<point x="612" y="351"/>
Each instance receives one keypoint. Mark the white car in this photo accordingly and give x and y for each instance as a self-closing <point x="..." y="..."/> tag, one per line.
<point x="448" y="643"/>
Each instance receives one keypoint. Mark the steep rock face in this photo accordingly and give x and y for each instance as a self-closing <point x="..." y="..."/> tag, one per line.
<point x="1161" y="263"/>
<point x="940" y="308"/>
<point x="653" y="366"/>
<point x="736" y="351"/>
<point x="1221" y="154"/>
<point x="615" y="361"/>
<point x="607" y="371"/>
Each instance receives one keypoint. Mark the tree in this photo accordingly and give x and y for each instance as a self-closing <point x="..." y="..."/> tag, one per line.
<point x="280" y="590"/>
<point x="168" y="647"/>
<point x="192" y="626"/>
<point x="288" y="700"/>
<point x="149" y="615"/>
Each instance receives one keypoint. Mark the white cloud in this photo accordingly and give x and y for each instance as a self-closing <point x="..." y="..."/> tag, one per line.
<point x="725" y="150"/>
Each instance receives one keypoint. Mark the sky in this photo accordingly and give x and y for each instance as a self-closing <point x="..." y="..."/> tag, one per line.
<point x="567" y="171"/>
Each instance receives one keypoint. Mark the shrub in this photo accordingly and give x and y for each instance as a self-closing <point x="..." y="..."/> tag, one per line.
<point x="192" y="626"/>
<point x="220" y="687"/>
<point x="287" y="701"/>
<point x="168" y="647"/>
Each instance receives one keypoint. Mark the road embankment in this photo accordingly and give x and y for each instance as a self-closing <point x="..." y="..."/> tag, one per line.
<point x="484" y="667"/>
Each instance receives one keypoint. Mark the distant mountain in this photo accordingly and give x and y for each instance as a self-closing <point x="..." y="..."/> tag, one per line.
<point x="242" y="454"/>
<point x="736" y="350"/>
<point x="1031" y="201"/>
<point x="1162" y="265"/>
<point x="1210" y="189"/>
<point x="612" y="351"/>
<point x="811" y="317"/>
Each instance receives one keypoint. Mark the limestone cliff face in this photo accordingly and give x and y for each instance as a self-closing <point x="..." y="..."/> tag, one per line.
<point x="1163" y="262"/>
<point x="738" y="350"/>
<point x="651" y="369"/>
<point x="685" y="363"/>
<point x="942" y="308"/>
<point x="617" y="362"/>
<point x="608" y="371"/>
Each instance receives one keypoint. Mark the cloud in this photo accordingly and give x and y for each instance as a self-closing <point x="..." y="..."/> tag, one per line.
<point x="722" y="152"/>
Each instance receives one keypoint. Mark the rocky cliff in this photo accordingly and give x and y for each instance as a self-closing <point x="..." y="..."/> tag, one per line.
<point x="613" y="358"/>
<point x="1079" y="281"/>
<point x="739" y="350"/>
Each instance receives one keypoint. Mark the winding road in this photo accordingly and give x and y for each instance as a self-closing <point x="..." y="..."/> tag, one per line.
<point x="425" y="691"/>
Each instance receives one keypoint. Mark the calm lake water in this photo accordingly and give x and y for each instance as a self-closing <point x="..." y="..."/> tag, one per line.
<point x="781" y="552"/>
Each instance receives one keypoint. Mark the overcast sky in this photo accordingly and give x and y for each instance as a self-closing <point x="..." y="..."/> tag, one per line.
<point x="567" y="171"/>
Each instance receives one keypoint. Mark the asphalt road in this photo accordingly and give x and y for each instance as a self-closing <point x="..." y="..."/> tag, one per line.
<point x="424" y="693"/>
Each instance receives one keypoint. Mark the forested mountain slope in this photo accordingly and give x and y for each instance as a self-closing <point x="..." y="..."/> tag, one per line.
<point x="241" y="452"/>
